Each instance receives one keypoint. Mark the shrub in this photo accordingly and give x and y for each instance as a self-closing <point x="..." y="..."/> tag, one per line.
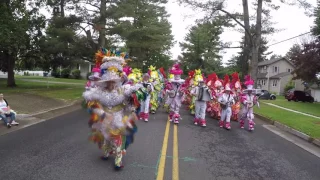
<point x="55" y="73"/>
<point x="76" y="73"/>
<point x="289" y="86"/>
<point x="65" y="73"/>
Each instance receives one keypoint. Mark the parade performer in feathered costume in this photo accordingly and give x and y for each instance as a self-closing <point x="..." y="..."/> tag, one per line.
<point x="157" y="85"/>
<point x="202" y="94"/>
<point x="215" y="84"/>
<point x="236" y="88"/>
<point x="226" y="100"/>
<point x="93" y="79"/>
<point x="111" y="129"/>
<point x="175" y="93"/>
<point x="248" y="100"/>
<point x="188" y="83"/>
<point x="145" y="104"/>
<point x="135" y="75"/>
<point x="195" y="81"/>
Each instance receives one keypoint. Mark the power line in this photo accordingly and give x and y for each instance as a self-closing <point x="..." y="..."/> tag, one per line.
<point x="289" y="39"/>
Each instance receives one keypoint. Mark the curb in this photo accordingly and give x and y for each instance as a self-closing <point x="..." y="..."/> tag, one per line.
<point x="290" y="130"/>
<point x="77" y="102"/>
<point x="21" y="116"/>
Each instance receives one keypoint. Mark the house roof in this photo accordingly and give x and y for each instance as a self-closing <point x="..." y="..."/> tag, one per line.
<point x="261" y="75"/>
<point x="264" y="63"/>
<point x="280" y="75"/>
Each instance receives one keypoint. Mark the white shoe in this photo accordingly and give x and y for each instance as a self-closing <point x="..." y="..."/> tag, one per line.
<point x="146" y="120"/>
<point x="14" y="123"/>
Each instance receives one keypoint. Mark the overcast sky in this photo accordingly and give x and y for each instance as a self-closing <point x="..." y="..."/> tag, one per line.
<point x="291" y="19"/>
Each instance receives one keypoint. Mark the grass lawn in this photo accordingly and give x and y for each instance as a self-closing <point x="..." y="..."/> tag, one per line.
<point x="82" y="81"/>
<point x="57" y="91"/>
<point x="309" y="108"/>
<point x="305" y="124"/>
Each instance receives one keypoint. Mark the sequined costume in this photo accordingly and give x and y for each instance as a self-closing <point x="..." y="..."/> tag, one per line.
<point x="202" y="94"/>
<point x="195" y="81"/>
<point x="226" y="100"/>
<point x="157" y="85"/>
<point x="214" y="84"/>
<point x="111" y="129"/>
<point x="175" y="93"/>
<point x="145" y="103"/>
<point x="248" y="100"/>
<point x="236" y="88"/>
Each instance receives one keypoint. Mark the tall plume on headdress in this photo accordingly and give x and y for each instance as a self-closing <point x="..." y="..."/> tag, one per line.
<point x="248" y="80"/>
<point x="226" y="80"/>
<point x="176" y="69"/>
<point x="162" y="71"/>
<point x="212" y="77"/>
<point x="235" y="79"/>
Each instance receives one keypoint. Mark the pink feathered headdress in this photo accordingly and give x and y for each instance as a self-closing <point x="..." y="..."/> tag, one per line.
<point x="127" y="70"/>
<point x="96" y="70"/>
<point x="175" y="70"/>
<point x="248" y="82"/>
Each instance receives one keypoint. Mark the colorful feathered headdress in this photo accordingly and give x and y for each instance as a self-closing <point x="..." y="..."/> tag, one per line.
<point x="235" y="83"/>
<point x="249" y="82"/>
<point x="127" y="70"/>
<point x="226" y="82"/>
<point x="175" y="70"/>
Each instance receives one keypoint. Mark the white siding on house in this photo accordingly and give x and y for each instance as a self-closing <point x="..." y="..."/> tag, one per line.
<point x="316" y="94"/>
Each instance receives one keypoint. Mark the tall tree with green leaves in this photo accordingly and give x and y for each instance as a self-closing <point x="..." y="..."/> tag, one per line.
<point x="202" y="46"/>
<point x="252" y="44"/>
<point x="144" y="27"/>
<point x="14" y="39"/>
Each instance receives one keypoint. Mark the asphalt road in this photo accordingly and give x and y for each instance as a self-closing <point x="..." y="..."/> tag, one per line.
<point x="58" y="149"/>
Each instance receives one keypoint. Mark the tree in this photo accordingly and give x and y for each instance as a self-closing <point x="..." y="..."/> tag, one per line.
<point x="14" y="19"/>
<point x="252" y="44"/>
<point x="202" y="46"/>
<point x="293" y="51"/>
<point x="307" y="62"/>
<point x="316" y="29"/>
<point x="144" y="27"/>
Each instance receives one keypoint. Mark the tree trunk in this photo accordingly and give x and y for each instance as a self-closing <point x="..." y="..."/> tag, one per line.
<point x="256" y="44"/>
<point x="247" y="38"/>
<point x="11" y="62"/>
<point x="102" y="24"/>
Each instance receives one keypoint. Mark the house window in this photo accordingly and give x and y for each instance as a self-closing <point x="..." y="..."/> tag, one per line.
<point x="262" y="82"/>
<point x="274" y="83"/>
<point x="275" y="69"/>
<point x="289" y="70"/>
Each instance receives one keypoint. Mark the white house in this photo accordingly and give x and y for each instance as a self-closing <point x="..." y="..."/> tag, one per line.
<point x="275" y="74"/>
<point x="315" y="92"/>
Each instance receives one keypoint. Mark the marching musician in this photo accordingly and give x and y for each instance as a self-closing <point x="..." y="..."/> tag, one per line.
<point x="248" y="100"/>
<point x="203" y="94"/>
<point x="144" y="110"/>
<point x="226" y="100"/>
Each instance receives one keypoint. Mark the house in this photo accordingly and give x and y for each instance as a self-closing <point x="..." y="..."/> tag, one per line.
<point x="275" y="74"/>
<point x="315" y="92"/>
<point x="85" y="67"/>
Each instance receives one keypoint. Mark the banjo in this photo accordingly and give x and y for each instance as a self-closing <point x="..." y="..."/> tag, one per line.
<point x="225" y="104"/>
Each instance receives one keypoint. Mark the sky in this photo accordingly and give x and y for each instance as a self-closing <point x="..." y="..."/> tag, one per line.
<point x="290" y="19"/>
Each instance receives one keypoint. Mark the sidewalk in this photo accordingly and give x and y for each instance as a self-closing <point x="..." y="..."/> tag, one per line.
<point x="32" y="109"/>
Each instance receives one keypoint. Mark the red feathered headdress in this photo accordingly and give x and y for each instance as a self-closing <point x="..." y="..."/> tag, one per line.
<point x="226" y="82"/>
<point x="235" y="83"/>
<point x="163" y="72"/>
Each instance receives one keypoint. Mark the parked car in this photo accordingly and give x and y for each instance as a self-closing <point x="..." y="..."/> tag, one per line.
<point x="264" y="94"/>
<point x="299" y="96"/>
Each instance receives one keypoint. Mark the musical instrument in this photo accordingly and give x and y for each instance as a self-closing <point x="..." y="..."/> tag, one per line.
<point x="204" y="94"/>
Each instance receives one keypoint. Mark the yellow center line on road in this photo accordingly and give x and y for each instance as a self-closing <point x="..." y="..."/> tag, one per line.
<point x="162" y="163"/>
<point x="175" y="157"/>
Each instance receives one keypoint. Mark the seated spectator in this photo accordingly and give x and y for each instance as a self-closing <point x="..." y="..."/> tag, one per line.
<point x="6" y="112"/>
